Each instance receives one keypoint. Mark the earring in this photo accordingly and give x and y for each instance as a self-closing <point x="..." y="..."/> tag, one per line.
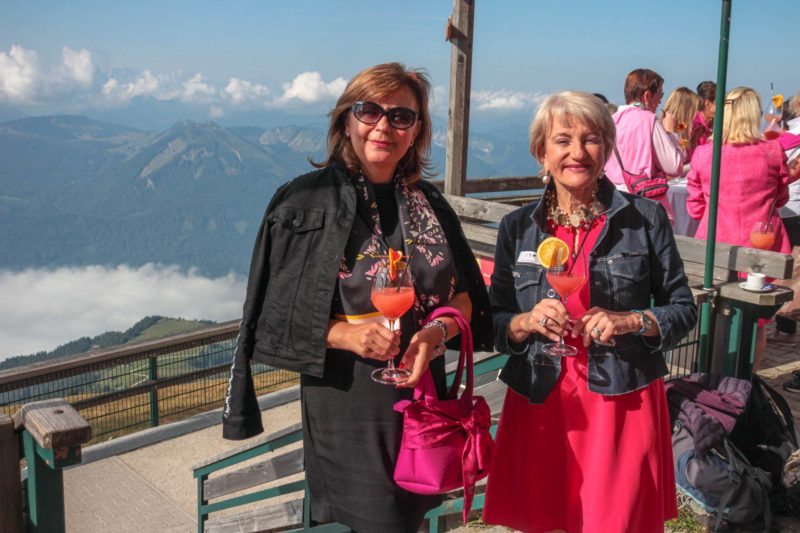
<point x="546" y="178"/>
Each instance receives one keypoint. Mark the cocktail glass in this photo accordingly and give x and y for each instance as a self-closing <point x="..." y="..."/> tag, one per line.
<point x="762" y="236"/>
<point x="772" y="116"/>
<point x="565" y="280"/>
<point x="392" y="296"/>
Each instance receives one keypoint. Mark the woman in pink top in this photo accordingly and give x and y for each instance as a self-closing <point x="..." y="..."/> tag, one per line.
<point x="645" y="146"/>
<point x="704" y="119"/>
<point x="753" y="174"/>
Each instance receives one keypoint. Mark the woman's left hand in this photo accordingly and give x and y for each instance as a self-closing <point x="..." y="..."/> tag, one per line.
<point x="601" y="325"/>
<point x="419" y="354"/>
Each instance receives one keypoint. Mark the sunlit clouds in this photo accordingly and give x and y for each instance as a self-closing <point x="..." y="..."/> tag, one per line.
<point x="44" y="308"/>
<point x="309" y="87"/>
<point x="506" y="100"/>
<point x="26" y="79"/>
<point x="19" y="75"/>
<point x="242" y="92"/>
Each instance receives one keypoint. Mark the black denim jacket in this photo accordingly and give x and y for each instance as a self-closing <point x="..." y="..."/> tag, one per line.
<point x="634" y="265"/>
<point x="292" y="277"/>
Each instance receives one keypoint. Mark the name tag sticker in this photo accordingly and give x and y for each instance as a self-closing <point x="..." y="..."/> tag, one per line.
<point x="528" y="257"/>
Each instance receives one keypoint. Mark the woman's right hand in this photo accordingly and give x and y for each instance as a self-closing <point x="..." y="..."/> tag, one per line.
<point x="669" y="122"/>
<point x="370" y="340"/>
<point x="548" y="317"/>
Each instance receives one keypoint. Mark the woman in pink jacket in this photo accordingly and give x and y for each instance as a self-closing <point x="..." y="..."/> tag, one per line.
<point x="753" y="175"/>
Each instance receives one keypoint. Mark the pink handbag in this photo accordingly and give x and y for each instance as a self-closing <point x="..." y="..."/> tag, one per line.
<point x="446" y="443"/>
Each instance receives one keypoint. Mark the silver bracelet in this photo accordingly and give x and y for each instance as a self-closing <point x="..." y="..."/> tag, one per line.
<point x="440" y="349"/>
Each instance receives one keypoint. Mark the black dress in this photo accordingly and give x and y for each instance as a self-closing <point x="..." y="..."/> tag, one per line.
<point x="352" y="434"/>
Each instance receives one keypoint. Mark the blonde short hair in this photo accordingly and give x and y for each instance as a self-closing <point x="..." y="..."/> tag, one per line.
<point x="742" y="117"/>
<point x="375" y="83"/>
<point x="568" y="106"/>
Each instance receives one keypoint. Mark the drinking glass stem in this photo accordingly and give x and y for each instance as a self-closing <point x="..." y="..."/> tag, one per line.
<point x="561" y="337"/>
<point x="390" y="362"/>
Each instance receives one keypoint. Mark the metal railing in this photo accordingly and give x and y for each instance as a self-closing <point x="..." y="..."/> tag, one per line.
<point x="138" y="386"/>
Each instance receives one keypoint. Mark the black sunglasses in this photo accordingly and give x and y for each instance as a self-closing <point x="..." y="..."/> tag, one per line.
<point x="400" y="118"/>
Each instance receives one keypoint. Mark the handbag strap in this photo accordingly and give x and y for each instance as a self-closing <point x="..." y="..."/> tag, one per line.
<point x="464" y="358"/>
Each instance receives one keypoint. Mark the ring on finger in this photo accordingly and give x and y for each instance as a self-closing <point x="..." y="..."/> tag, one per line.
<point x="596" y="331"/>
<point x="543" y="322"/>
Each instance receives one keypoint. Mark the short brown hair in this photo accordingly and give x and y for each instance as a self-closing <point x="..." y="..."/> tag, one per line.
<point x="639" y="81"/>
<point x="574" y="105"/>
<point x="375" y="83"/>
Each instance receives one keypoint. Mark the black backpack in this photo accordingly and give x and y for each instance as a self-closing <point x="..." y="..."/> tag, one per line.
<point x="743" y="476"/>
<point x="721" y="480"/>
<point x="766" y="434"/>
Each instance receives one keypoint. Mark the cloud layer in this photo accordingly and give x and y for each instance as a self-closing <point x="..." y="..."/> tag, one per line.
<point x="76" y="80"/>
<point x="26" y="80"/>
<point x="43" y="309"/>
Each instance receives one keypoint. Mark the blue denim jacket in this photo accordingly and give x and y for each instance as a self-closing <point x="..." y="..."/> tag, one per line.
<point x="633" y="265"/>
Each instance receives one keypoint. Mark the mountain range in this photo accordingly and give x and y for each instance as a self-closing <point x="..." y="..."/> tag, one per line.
<point x="76" y="191"/>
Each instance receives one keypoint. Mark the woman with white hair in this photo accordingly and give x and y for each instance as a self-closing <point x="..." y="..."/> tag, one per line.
<point x="584" y="442"/>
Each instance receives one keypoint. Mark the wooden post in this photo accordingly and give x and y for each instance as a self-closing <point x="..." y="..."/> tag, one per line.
<point x="10" y="486"/>
<point x="459" y="33"/>
<point x="52" y="434"/>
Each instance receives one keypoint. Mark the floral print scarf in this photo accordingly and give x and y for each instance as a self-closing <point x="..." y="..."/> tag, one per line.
<point x="432" y="268"/>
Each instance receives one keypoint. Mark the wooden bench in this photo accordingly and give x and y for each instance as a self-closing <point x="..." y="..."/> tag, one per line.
<point x="278" y="476"/>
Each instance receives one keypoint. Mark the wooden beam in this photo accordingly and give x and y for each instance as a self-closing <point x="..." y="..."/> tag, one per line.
<point x="53" y="424"/>
<point x="478" y="209"/>
<point x="277" y="467"/>
<point x="10" y="486"/>
<point x="459" y="34"/>
<point x="263" y="518"/>
<point x="499" y="184"/>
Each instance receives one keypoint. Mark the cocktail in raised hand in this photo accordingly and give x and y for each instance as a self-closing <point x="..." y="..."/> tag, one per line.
<point x="772" y="116"/>
<point x="762" y="236"/>
<point x="566" y="279"/>
<point x="392" y="295"/>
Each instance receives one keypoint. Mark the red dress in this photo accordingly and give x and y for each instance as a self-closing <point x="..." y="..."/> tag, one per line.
<point x="581" y="461"/>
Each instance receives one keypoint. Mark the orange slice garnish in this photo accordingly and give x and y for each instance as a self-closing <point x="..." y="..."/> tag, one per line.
<point x="777" y="100"/>
<point x="394" y="257"/>
<point x="552" y="252"/>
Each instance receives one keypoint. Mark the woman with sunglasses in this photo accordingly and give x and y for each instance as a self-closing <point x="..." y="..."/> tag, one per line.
<point x="308" y="303"/>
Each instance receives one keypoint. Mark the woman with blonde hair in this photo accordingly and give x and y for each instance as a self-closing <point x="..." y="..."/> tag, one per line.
<point x="753" y="178"/>
<point x="683" y="104"/>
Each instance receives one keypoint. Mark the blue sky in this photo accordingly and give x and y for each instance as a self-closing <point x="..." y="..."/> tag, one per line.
<point x="217" y="60"/>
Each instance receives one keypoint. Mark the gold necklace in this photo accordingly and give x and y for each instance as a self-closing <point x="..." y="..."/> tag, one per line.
<point x="582" y="218"/>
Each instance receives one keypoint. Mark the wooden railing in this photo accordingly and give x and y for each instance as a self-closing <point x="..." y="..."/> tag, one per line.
<point x="141" y="385"/>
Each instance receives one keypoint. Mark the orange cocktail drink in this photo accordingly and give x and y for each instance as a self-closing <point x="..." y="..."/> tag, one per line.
<point x="393" y="302"/>
<point x="763" y="240"/>
<point x="565" y="283"/>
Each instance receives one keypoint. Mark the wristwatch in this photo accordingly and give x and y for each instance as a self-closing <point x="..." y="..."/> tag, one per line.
<point x="644" y="320"/>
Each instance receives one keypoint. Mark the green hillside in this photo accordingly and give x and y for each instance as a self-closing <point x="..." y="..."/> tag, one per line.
<point x="148" y="328"/>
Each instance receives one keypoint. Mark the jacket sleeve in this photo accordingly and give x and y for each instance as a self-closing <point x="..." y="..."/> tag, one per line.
<point x="674" y="309"/>
<point x="502" y="293"/>
<point x="241" y="415"/>
<point x="668" y="154"/>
